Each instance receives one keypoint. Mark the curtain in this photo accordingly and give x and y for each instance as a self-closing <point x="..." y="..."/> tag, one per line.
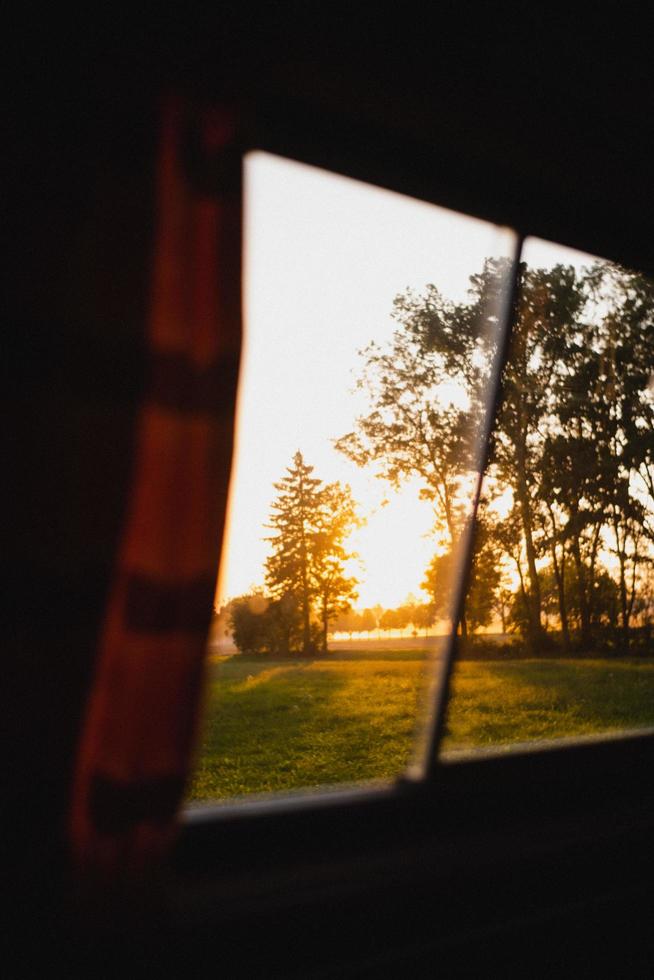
<point x="141" y="718"/>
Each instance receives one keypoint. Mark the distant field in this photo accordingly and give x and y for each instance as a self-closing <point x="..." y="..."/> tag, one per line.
<point x="283" y="725"/>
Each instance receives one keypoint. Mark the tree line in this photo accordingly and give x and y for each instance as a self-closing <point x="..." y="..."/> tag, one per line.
<point x="259" y="624"/>
<point x="417" y="615"/>
<point x="572" y="448"/>
<point x="564" y="533"/>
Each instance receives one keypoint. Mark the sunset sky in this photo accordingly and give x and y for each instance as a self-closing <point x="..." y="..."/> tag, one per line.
<point x="324" y="258"/>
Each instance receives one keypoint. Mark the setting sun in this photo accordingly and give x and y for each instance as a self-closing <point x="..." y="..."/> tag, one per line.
<point x="325" y="257"/>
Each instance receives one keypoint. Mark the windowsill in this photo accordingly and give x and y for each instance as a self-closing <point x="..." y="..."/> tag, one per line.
<point x="527" y="755"/>
<point x="481" y="824"/>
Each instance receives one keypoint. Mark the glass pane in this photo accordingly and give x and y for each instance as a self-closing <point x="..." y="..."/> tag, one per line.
<point x="371" y="327"/>
<point x="561" y="600"/>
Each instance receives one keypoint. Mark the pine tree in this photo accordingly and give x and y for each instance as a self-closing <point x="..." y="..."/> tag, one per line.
<point x="310" y="521"/>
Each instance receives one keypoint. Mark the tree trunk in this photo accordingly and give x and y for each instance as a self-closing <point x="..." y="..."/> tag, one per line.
<point x="559" y="574"/>
<point x="523" y="592"/>
<point x="584" y="608"/>
<point x="325" y="627"/>
<point x="624" y="606"/>
<point x="591" y="576"/>
<point x="534" y="598"/>
<point x="522" y="494"/>
<point x="306" y="627"/>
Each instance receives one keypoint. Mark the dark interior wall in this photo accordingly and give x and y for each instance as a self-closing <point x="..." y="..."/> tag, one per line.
<point x="78" y="164"/>
<point x="536" y="117"/>
<point x="530" y="118"/>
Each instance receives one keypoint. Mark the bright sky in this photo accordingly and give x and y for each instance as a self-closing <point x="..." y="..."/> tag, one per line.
<point x="324" y="258"/>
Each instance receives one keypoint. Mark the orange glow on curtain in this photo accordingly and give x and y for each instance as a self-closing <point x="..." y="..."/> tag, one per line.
<point x="141" y="716"/>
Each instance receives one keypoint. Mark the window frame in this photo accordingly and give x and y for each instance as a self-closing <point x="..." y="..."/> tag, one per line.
<point x="264" y="840"/>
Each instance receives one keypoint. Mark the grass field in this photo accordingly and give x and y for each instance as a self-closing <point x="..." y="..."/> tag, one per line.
<point x="284" y="725"/>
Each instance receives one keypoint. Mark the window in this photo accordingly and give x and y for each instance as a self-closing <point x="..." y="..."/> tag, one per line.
<point x="375" y="334"/>
<point x="362" y="419"/>
<point x="562" y="568"/>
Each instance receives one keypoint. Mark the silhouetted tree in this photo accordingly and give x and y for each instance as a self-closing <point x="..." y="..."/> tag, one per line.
<point x="483" y="579"/>
<point x="368" y="621"/>
<point x="311" y="521"/>
<point x="427" y="393"/>
<point x="572" y="449"/>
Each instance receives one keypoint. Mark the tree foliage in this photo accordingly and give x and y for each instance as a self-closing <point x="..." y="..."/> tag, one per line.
<point x="261" y="625"/>
<point x="426" y="395"/>
<point x="572" y="449"/>
<point x="483" y="579"/>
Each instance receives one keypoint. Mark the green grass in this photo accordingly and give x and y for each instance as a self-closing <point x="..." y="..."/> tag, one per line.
<point x="285" y="725"/>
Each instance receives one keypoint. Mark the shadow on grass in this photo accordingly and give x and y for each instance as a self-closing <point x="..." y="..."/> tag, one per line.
<point x="604" y="692"/>
<point x="274" y="725"/>
<point x="283" y="725"/>
<point x="377" y="655"/>
<point x="494" y="704"/>
<point x="265" y="659"/>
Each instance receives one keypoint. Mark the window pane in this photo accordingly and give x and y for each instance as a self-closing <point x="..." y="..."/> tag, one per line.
<point x="560" y="606"/>
<point x="371" y="327"/>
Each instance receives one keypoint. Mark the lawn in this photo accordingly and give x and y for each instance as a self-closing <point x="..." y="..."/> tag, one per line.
<point x="283" y="725"/>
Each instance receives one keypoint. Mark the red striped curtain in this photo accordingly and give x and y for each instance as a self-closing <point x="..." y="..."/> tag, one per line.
<point x="141" y="719"/>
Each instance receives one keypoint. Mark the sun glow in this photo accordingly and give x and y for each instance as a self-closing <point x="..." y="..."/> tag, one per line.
<point x="325" y="257"/>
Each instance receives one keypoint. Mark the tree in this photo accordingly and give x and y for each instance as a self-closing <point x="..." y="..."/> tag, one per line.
<point x="501" y="605"/>
<point x="438" y="584"/>
<point x="311" y="521"/>
<point x="424" y="615"/>
<point x="347" y="622"/>
<point x="483" y="579"/>
<point x="597" y="441"/>
<point x="572" y="451"/>
<point x="387" y="620"/>
<point x="575" y="392"/>
<point x="368" y="621"/>
<point x="263" y="625"/>
<point x="427" y="395"/>
<point x="485" y="573"/>
<point x="247" y="622"/>
<point x="549" y="307"/>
